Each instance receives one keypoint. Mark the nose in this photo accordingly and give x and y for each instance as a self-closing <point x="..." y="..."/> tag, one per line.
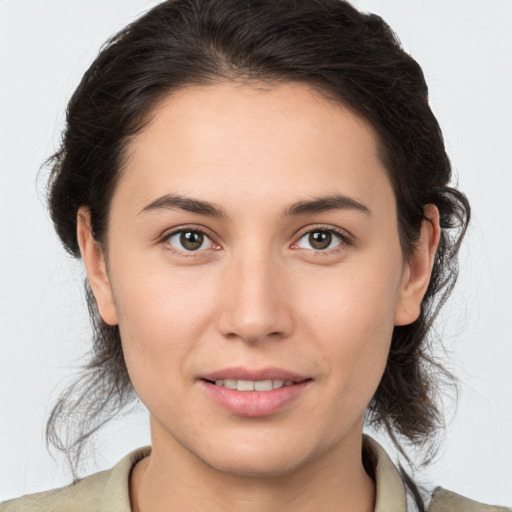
<point x="255" y="303"/>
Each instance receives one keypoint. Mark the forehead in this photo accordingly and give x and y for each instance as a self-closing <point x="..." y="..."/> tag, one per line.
<point x="256" y="143"/>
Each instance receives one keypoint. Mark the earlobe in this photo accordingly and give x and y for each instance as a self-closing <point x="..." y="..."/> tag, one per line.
<point x="94" y="261"/>
<point x="416" y="277"/>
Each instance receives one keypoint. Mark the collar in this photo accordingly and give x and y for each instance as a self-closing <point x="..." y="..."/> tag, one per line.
<point x="390" y="490"/>
<point x="116" y="493"/>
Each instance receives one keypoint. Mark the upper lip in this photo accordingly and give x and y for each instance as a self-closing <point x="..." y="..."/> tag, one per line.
<point x="254" y="374"/>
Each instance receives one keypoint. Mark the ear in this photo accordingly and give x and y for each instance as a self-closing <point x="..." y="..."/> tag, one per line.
<point x="418" y="270"/>
<point x="95" y="266"/>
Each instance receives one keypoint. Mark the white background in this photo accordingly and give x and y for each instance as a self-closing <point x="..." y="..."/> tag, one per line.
<point x="465" y="49"/>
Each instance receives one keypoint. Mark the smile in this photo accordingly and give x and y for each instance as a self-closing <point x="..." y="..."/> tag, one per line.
<point x="253" y="385"/>
<point x="271" y="390"/>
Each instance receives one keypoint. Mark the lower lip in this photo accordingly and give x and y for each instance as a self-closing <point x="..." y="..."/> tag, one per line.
<point x="254" y="403"/>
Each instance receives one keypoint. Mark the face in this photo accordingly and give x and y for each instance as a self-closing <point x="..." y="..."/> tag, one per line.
<point x="253" y="244"/>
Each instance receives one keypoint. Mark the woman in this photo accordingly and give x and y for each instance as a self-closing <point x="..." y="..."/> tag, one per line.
<point x="259" y="193"/>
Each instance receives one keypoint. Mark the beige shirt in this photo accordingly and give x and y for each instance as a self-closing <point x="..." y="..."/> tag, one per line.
<point x="108" y="491"/>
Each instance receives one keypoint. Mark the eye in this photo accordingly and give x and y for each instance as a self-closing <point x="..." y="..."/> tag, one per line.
<point x="190" y="240"/>
<point x="320" y="240"/>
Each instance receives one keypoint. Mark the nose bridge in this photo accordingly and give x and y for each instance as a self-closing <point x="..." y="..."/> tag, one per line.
<point x="254" y="308"/>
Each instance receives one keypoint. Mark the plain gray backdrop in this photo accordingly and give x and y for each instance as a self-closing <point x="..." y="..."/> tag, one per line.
<point x="465" y="49"/>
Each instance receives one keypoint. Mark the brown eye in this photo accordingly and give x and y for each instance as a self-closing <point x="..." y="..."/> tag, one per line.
<point x="189" y="241"/>
<point x="320" y="240"/>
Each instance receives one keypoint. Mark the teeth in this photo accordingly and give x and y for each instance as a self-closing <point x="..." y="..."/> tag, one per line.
<point x="263" y="385"/>
<point x="252" y="385"/>
<point x="245" y="385"/>
<point x="228" y="383"/>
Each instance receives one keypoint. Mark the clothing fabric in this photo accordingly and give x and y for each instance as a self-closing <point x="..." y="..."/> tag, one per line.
<point x="108" y="491"/>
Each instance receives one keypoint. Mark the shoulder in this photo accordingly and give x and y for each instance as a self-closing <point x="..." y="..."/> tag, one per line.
<point x="106" y="491"/>
<point x="448" y="501"/>
<point x="82" y="495"/>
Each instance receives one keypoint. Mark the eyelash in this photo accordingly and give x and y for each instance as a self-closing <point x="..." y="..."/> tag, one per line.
<point x="345" y="241"/>
<point x="183" y="252"/>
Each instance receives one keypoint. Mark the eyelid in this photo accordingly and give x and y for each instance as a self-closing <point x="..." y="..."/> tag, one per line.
<point x="164" y="239"/>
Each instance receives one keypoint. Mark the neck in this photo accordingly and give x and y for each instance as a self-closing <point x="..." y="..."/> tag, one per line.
<point x="172" y="479"/>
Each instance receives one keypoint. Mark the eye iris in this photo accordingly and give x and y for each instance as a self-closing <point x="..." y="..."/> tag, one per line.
<point x="191" y="240"/>
<point x="320" y="239"/>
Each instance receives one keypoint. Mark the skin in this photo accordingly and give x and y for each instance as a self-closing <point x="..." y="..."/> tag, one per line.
<point x="259" y="294"/>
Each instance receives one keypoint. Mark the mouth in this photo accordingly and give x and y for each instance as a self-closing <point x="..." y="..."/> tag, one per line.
<point x="247" y="379"/>
<point x="254" y="393"/>
<point x="252" y="385"/>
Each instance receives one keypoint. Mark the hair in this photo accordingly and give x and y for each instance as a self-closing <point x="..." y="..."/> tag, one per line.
<point x="344" y="54"/>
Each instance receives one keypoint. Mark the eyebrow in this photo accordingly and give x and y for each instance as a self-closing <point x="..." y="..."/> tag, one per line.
<point x="306" y="207"/>
<point x="177" y="202"/>
<point x="325" y="204"/>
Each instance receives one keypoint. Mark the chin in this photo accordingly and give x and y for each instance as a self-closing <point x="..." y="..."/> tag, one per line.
<point x="257" y="467"/>
<point x="259" y="460"/>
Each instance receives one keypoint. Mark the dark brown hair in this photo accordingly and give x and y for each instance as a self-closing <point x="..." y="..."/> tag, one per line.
<point x="352" y="57"/>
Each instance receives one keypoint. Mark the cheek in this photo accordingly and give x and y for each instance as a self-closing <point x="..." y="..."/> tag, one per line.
<point x="162" y="317"/>
<point x="352" y="317"/>
<point x="159" y="303"/>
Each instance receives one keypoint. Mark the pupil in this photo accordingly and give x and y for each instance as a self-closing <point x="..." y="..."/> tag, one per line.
<point x="191" y="240"/>
<point x="320" y="239"/>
